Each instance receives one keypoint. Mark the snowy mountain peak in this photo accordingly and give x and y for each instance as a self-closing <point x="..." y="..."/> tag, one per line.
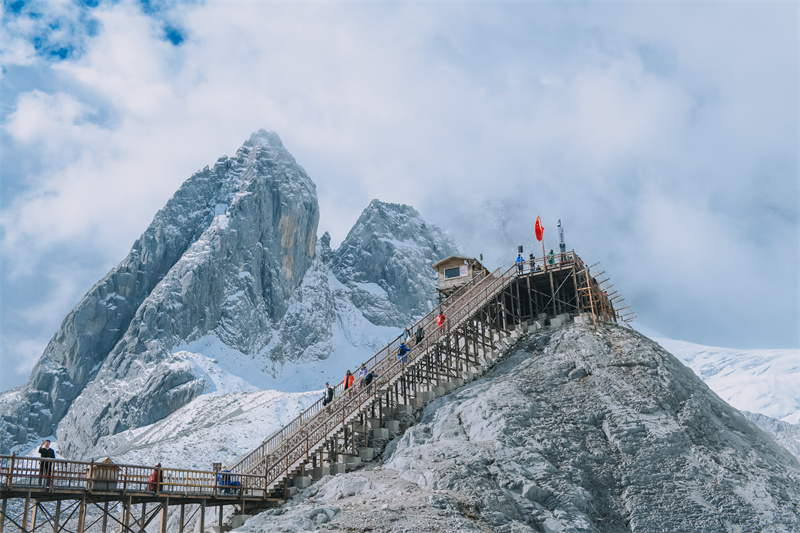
<point x="267" y="139"/>
<point x="227" y="290"/>
<point x="386" y="261"/>
<point x="221" y="258"/>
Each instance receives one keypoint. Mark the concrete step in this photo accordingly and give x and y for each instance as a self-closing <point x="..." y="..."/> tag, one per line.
<point x="319" y="472"/>
<point x="366" y="454"/>
<point x="404" y="409"/>
<point x="302" y="482"/>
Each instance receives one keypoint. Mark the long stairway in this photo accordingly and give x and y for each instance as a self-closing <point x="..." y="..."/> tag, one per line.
<point x="479" y="317"/>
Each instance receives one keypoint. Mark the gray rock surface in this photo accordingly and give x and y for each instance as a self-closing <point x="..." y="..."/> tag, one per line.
<point x="572" y="432"/>
<point x="228" y="280"/>
<point x="784" y="433"/>
<point x="386" y="262"/>
<point x="224" y="255"/>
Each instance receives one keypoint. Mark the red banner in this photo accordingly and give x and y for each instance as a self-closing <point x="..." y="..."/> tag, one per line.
<point x="539" y="228"/>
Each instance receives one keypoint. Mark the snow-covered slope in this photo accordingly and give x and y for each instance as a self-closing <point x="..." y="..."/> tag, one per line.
<point x="212" y="428"/>
<point x="759" y="381"/>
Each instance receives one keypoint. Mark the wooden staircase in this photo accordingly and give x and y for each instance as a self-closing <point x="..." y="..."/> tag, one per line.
<point x="482" y="318"/>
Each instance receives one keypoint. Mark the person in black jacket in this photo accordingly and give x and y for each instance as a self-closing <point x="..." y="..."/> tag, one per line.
<point x="420" y="334"/>
<point x="328" y="398"/>
<point x="45" y="465"/>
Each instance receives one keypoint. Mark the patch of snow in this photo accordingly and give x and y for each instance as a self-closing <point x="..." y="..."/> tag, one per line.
<point x="373" y="288"/>
<point x="759" y="381"/>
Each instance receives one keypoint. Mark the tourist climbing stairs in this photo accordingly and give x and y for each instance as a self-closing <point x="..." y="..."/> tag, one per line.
<point x="476" y="321"/>
<point x="481" y="318"/>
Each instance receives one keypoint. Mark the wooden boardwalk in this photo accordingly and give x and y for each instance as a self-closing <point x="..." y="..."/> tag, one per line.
<point x="481" y="318"/>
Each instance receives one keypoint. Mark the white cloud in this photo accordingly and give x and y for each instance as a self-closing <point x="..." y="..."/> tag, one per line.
<point x="635" y="115"/>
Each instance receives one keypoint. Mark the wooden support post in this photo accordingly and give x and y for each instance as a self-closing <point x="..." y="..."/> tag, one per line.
<point x="105" y="518"/>
<point x="82" y="516"/>
<point x="2" y="515"/>
<point x="578" y="303"/>
<point x="589" y="289"/>
<point x="125" y="513"/>
<point x="36" y="505"/>
<point x="141" y="520"/>
<point x="553" y="294"/>
<point x="183" y="515"/>
<point x="202" y="516"/>
<point x="26" y="510"/>
<point x="164" y="512"/>
<point x="57" y="517"/>
<point x="219" y="511"/>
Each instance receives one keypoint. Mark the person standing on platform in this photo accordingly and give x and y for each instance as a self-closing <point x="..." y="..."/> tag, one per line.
<point x="45" y="465"/>
<point x="519" y="263"/>
<point x="419" y="334"/>
<point x="406" y="334"/>
<point x="440" y="321"/>
<point x="348" y="380"/>
<point x="156" y="478"/>
<point x="328" y="398"/>
<point x="551" y="258"/>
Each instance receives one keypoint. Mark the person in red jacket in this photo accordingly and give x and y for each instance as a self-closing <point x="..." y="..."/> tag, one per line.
<point x="348" y="380"/>
<point x="156" y="478"/>
<point x="440" y="321"/>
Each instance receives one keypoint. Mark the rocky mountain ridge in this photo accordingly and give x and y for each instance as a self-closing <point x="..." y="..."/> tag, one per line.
<point x="231" y="265"/>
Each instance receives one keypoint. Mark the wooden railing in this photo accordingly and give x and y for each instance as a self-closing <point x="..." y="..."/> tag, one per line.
<point x="268" y="446"/>
<point x="256" y="474"/>
<point x="294" y="443"/>
<point x="58" y="475"/>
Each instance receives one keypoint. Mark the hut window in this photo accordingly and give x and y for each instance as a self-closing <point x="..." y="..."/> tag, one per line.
<point x="452" y="273"/>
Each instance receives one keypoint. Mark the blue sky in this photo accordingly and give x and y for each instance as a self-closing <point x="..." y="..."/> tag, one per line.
<point x="664" y="135"/>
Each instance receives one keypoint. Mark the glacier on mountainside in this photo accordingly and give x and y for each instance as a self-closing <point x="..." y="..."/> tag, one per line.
<point x="759" y="381"/>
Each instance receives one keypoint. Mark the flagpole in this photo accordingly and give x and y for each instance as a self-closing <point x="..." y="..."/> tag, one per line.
<point x="544" y="257"/>
<point x="540" y="236"/>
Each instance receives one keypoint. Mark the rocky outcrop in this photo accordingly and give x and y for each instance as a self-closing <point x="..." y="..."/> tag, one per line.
<point x="784" y="433"/>
<point x="386" y="261"/>
<point x="229" y="268"/>
<point x="223" y="256"/>
<point x="573" y="431"/>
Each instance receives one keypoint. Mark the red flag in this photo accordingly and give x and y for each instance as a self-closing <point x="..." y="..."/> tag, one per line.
<point x="539" y="229"/>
